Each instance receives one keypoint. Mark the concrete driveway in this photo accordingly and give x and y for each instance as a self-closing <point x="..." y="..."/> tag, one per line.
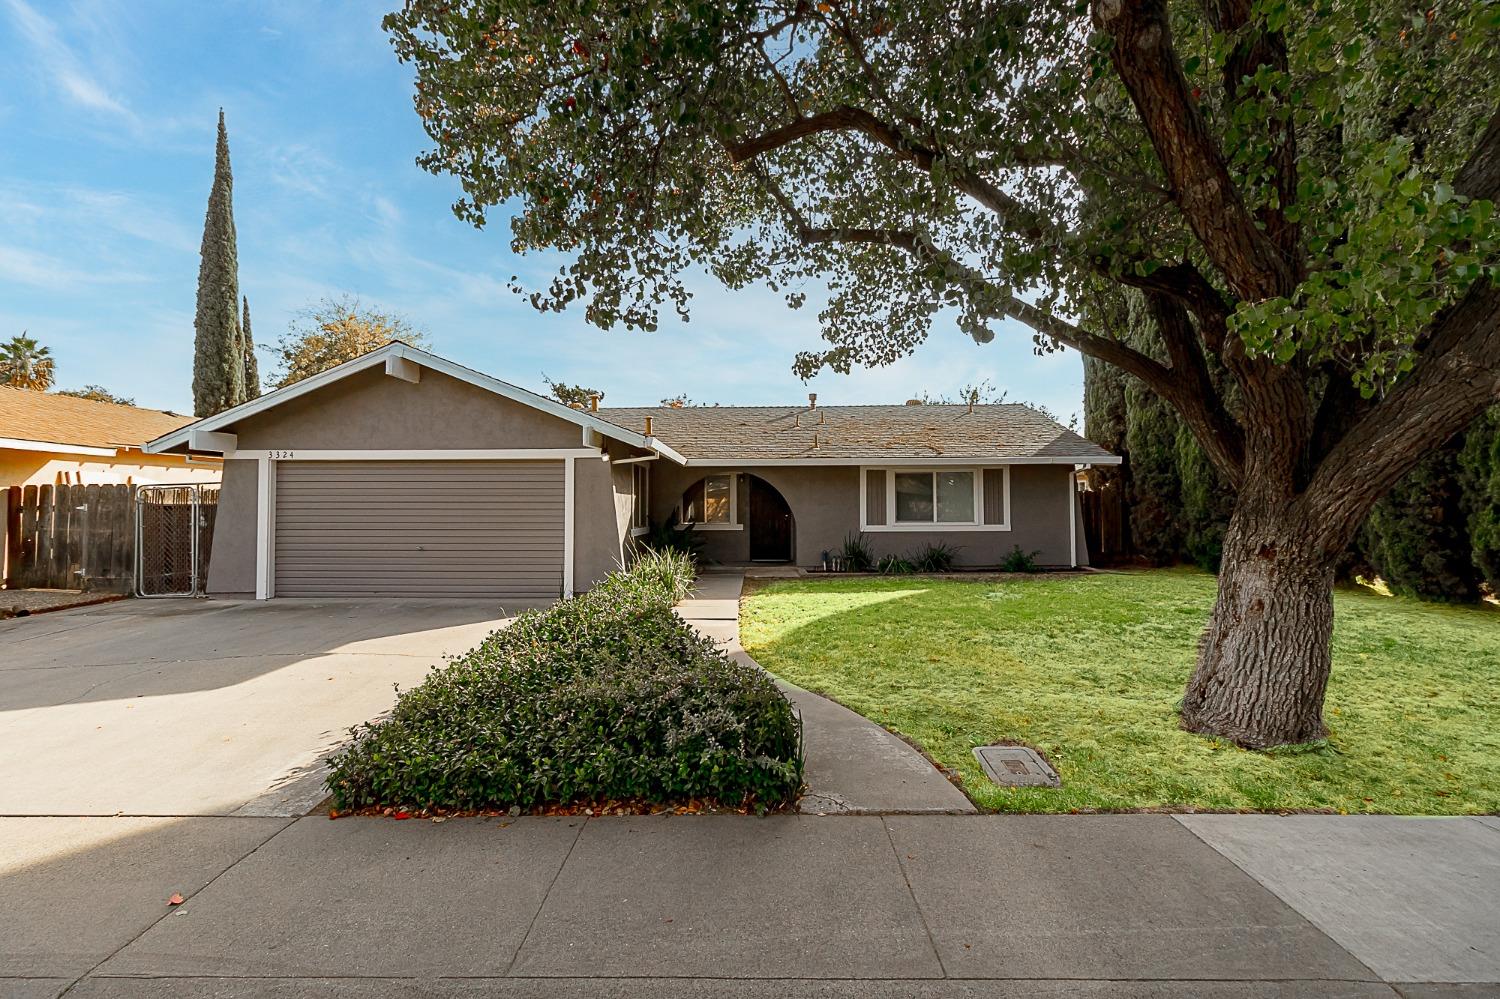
<point x="193" y="707"/>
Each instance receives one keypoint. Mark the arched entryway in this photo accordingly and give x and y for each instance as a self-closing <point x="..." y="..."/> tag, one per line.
<point x="769" y="523"/>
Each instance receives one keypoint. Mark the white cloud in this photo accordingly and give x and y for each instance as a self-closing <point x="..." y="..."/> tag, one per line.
<point x="39" y="270"/>
<point x="62" y="66"/>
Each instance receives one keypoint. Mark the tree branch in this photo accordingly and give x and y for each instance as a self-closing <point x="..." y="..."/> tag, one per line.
<point x="1197" y="397"/>
<point x="851" y="119"/>
<point x="1192" y="393"/>
<point x="1207" y="196"/>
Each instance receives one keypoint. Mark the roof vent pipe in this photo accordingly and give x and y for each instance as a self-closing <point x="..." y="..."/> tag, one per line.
<point x="820" y="417"/>
<point x="812" y="400"/>
<point x="594" y="403"/>
<point x="648" y="426"/>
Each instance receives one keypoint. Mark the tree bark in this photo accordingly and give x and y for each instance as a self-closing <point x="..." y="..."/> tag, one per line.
<point x="1264" y="660"/>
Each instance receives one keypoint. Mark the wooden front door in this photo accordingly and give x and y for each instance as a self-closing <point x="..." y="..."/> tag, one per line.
<point x="770" y="524"/>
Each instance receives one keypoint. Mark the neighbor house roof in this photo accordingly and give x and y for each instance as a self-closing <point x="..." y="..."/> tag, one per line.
<point x="45" y="421"/>
<point x="1006" y="433"/>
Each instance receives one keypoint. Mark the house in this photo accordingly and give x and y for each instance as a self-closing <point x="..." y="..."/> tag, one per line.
<point x="50" y="440"/>
<point x="403" y="473"/>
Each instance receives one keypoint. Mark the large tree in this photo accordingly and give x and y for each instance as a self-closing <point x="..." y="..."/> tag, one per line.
<point x="334" y="330"/>
<point x="252" y="364"/>
<point x="218" y="348"/>
<point x="1302" y="193"/>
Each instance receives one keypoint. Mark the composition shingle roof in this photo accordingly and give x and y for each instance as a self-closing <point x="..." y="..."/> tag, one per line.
<point x="62" y="419"/>
<point x="1005" y="432"/>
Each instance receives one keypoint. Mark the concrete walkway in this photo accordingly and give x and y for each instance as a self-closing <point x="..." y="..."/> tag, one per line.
<point x="936" y="906"/>
<point x="853" y="766"/>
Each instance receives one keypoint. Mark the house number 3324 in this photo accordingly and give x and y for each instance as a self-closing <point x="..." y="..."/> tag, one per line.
<point x="275" y="455"/>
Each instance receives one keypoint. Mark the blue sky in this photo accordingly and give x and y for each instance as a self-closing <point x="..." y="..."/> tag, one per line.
<point x="107" y="114"/>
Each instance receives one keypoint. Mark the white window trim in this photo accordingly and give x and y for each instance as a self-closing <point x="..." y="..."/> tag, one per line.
<point x="930" y="527"/>
<point x="640" y="503"/>
<point x="734" y="507"/>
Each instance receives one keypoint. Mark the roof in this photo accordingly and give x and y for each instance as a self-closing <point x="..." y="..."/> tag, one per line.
<point x="829" y="435"/>
<point x="392" y="355"/>
<point x="48" y="418"/>
<point x="1005" y="433"/>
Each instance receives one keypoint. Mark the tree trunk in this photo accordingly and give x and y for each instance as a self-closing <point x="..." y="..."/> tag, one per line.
<point x="1263" y="662"/>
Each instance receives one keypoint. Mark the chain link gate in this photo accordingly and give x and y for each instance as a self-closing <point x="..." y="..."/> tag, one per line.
<point x="174" y="527"/>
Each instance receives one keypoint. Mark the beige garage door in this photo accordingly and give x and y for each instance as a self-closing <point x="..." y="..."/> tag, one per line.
<point x="419" y="528"/>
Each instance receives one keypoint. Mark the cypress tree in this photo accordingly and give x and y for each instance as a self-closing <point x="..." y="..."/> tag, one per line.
<point x="218" y="350"/>
<point x="252" y="366"/>
<point x="1479" y="477"/>
<point x="1417" y="536"/>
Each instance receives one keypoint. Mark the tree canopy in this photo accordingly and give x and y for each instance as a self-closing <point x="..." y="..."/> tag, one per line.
<point x="97" y="393"/>
<point x="1302" y="195"/>
<point x="334" y="330"/>
<point x="26" y="364"/>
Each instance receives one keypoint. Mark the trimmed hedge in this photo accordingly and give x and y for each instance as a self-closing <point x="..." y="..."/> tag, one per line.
<point x="609" y="696"/>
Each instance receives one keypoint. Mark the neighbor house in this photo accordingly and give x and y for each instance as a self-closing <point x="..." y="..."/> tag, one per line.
<point x="402" y="473"/>
<point x="48" y="439"/>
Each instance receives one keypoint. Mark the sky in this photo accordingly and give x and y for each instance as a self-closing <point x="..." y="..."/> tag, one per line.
<point x="107" y="118"/>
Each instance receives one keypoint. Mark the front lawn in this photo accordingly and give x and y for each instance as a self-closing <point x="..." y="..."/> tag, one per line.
<point x="1089" y="670"/>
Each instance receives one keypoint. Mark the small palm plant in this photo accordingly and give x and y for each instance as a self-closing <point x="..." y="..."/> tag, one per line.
<point x="26" y="364"/>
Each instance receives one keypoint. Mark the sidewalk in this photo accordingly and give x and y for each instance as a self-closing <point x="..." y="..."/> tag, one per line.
<point x="839" y="906"/>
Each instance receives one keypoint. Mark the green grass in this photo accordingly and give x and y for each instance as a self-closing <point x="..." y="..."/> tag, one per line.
<point x="1089" y="669"/>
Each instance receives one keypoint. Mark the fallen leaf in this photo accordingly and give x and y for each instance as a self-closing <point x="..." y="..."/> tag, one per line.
<point x="401" y="815"/>
<point x="176" y="899"/>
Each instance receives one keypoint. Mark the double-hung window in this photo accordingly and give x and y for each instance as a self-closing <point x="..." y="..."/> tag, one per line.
<point x="936" y="497"/>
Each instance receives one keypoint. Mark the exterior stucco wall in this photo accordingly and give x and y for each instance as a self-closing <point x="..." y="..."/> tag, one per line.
<point x="231" y="561"/>
<point x="50" y="468"/>
<point x="370" y="409"/>
<point x="825" y="509"/>
<point x="597" y="530"/>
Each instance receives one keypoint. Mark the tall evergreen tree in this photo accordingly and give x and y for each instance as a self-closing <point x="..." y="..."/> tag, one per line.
<point x="1479" y="464"/>
<point x="218" y="350"/>
<point x="252" y="366"/>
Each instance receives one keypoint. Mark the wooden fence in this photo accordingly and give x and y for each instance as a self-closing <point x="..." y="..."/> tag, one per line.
<point x="1104" y="521"/>
<point x="70" y="537"/>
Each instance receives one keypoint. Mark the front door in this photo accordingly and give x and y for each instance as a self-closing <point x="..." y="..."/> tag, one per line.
<point x="770" y="524"/>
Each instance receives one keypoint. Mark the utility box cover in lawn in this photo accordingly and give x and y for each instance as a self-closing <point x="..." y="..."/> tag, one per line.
<point x="1016" y="766"/>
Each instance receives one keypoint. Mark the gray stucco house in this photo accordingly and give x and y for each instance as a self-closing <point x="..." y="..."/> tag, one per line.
<point x="401" y="473"/>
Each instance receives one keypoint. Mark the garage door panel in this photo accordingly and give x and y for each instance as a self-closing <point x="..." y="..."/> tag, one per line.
<point x="419" y="528"/>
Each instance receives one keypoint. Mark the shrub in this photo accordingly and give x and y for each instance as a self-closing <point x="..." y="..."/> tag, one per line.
<point x="894" y="565"/>
<point x="669" y="536"/>
<point x="605" y="697"/>
<point x="857" y="554"/>
<point x="665" y="570"/>
<point x="933" y="557"/>
<point x="1019" y="561"/>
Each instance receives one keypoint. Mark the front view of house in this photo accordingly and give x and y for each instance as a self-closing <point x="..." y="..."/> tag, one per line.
<point x="401" y="473"/>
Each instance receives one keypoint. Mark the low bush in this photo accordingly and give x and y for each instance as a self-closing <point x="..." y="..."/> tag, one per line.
<point x="609" y="696"/>
<point x="931" y="557"/>
<point x="894" y="565"/>
<point x="670" y="536"/>
<point x="1019" y="561"/>
<point x="857" y="556"/>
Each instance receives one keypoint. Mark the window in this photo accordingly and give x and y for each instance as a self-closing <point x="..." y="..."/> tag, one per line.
<point x="944" y="497"/>
<point x="639" y="498"/>
<point x="710" y="502"/>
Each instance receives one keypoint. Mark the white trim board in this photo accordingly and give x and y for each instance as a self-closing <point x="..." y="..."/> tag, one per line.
<point x="22" y="444"/>
<point x="879" y="461"/>
<point x="402" y="352"/>
<point x="433" y="454"/>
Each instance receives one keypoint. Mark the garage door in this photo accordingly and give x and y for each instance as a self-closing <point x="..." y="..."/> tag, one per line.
<point x="419" y="528"/>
